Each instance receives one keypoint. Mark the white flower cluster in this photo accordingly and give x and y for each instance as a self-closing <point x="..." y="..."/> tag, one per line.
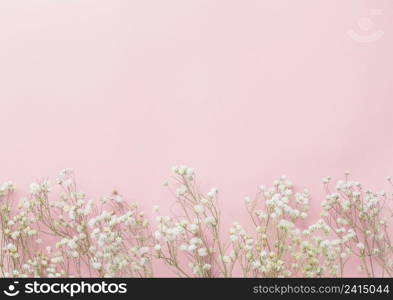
<point x="104" y="239"/>
<point x="113" y="238"/>
<point x="280" y="248"/>
<point x="358" y="218"/>
<point x="196" y="234"/>
<point x="7" y="188"/>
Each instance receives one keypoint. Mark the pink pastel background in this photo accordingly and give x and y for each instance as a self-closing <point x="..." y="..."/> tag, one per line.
<point x="243" y="91"/>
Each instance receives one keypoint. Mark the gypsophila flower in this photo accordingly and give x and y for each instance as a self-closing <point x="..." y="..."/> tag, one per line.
<point x="202" y="252"/>
<point x="199" y="209"/>
<point x="110" y="237"/>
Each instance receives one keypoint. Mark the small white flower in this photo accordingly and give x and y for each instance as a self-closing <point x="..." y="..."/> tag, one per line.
<point x="35" y="188"/>
<point x="193" y="228"/>
<point x="96" y="265"/>
<point x="263" y="254"/>
<point x="72" y="244"/>
<point x="212" y="193"/>
<point x="11" y="247"/>
<point x="376" y="251"/>
<point x="189" y="171"/>
<point x="15" y="235"/>
<point x="181" y="191"/>
<point x="202" y="252"/>
<point x="8" y="186"/>
<point x="143" y="251"/>
<point x="204" y="201"/>
<point x="195" y="241"/>
<point x="360" y="246"/>
<point x="256" y="264"/>
<point x="210" y="220"/>
<point x="199" y="209"/>
<point x="175" y="170"/>
<point x="226" y="259"/>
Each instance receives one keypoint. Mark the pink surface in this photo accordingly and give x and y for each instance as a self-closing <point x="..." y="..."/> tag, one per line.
<point x="243" y="91"/>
